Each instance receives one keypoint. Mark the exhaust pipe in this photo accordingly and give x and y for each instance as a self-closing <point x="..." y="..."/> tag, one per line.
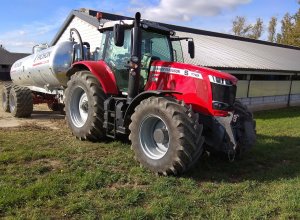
<point x="135" y="70"/>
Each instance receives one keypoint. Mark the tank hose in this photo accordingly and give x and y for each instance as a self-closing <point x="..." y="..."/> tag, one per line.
<point x="72" y="31"/>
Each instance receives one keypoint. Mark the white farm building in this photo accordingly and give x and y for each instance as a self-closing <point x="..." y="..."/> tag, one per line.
<point x="268" y="73"/>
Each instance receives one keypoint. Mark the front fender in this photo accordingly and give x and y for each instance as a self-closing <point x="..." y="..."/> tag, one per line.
<point x="101" y="71"/>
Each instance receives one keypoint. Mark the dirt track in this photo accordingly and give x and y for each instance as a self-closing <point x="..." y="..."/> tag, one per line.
<point x="41" y="116"/>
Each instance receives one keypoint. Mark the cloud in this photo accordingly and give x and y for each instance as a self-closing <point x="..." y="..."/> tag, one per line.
<point x="179" y="10"/>
<point x="22" y="39"/>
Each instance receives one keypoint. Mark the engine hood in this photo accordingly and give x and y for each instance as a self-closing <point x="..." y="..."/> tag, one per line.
<point x="189" y="70"/>
<point x="209" y="91"/>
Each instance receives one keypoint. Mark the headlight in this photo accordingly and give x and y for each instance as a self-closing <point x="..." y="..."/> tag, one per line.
<point x="221" y="81"/>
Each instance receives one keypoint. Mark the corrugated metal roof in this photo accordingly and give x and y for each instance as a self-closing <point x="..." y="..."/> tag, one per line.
<point x="218" y="50"/>
<point x="228" y="53"/>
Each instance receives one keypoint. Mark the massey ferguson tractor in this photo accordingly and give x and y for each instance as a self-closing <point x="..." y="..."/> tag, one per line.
<point x="133" y="85"/>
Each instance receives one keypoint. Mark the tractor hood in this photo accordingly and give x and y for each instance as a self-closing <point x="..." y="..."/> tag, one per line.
<point x="190" y="70"/>
<point x="208" y="91"/>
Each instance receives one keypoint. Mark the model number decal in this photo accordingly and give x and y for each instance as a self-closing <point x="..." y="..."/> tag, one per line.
<point x="42" y="56"/>
<point x="171" y="70"/>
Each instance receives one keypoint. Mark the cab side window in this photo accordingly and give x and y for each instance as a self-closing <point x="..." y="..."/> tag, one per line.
<point x="117" y="59"/>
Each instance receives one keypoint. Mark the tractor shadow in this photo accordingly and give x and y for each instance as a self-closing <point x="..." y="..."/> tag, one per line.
<point x="272" y="158"/>
<point x="47" y="115"/>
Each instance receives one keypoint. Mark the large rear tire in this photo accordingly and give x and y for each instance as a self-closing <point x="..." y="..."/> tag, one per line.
<point x="5" y="97"/>
<point x="20" y="101"/>
<point x="84" y="106"/>
<point x="166" y="136"/>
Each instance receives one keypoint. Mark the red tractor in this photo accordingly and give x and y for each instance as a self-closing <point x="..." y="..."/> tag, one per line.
<point x="172" y="111"/>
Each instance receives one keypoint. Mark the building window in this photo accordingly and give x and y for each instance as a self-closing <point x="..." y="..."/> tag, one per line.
<point x="270" y="77"/>
<point x="4" y="66"/>
<point x="240" y="76"/>
<point x="296" y="77"/>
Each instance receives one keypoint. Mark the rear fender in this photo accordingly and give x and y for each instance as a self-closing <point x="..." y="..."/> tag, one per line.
<point x="101" y="71"/>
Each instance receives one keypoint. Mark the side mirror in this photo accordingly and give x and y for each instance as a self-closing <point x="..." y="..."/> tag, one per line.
<point x="191" y="49"/>
<point x="119" y="35"/>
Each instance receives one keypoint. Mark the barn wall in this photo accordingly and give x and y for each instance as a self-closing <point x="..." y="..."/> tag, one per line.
<point x="88" y="33"/>
<point x="258" y="95"/>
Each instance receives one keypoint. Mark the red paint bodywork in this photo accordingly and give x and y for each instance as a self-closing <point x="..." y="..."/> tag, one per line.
<point x="103" y="73"/>
<point x="194" y="91"/>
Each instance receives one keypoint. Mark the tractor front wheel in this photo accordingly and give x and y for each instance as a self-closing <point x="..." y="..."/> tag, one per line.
<point x="244" y="127"/>
<point x="84" y="106"/>
<point x="166" y="135"/>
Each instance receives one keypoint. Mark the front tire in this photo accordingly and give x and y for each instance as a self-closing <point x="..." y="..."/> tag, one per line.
<point x="166" y="136"/>
<point x="244" y="127"/>
<point x="5" y="97"/>
<point x="84" y="106"/>
<point x="20" y="101"/>
<point x="244" y="131"/>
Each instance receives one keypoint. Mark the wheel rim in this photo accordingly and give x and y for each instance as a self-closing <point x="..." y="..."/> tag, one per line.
<point x="154" y="137"/>
<point x="12" y="103"/>
<point x="79" y="107"/>
<point x="4" y="100"/>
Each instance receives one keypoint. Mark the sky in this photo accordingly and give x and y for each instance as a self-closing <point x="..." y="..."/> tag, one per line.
<point x="25" y="23"/>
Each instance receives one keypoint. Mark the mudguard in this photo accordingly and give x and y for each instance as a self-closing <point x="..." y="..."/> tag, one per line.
<point x="101" y="71"/>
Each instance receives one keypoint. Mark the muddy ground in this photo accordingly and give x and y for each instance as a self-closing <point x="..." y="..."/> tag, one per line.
<point x="41" y="116"/>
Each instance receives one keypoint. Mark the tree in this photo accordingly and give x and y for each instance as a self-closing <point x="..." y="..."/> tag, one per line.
<point x="272" y="29"/>
<point x="287" y="29"/>
<point x="289" y="33"/>
<point x="279" y="38"/>
<point x="257" y="29"/>
<point x="240" y="26"/>
<point x="297" y="29"/>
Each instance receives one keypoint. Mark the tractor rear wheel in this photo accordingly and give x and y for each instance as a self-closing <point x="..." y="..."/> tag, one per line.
<point x="84" y="106"/>
<point x="20" y="101"/>
<point x="166" y="135"/>
<point x="5" y="97"/>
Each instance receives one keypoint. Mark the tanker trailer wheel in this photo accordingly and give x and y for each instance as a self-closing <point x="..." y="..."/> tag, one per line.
<point x="20" y="101"/>
<point x="57" y="107"/>
<point x="5" y="97"/>
<point x="244" y="127"/>
<point x="84" y="106"/>
<point x="166" y="136"/>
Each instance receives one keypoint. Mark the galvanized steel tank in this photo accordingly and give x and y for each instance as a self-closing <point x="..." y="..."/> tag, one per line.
<point x="46" y="68"/>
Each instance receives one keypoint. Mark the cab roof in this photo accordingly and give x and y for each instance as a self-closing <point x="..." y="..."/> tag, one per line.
<point x="145" y="24"/>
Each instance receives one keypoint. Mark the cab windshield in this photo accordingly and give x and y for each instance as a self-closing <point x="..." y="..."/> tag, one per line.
<point x="154" y="47"/>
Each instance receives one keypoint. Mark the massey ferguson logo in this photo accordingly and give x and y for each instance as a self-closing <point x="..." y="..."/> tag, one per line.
<point x="177" y="71"/>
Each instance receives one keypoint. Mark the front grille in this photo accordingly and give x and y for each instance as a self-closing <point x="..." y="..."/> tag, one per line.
<point x="223" y="96"/>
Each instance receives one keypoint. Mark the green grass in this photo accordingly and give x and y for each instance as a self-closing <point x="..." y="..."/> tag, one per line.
<point x="48" y="174"/>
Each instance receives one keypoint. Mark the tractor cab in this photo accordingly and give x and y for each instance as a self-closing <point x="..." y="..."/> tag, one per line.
<point x="156" y="43"/>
